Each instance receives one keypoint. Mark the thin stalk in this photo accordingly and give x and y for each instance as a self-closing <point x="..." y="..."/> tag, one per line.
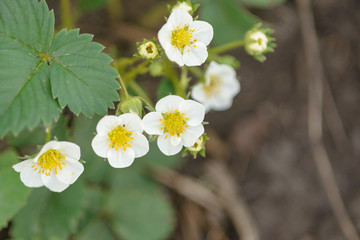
<point x="226" y="47"/>
<point x="196" y="71"/>
<point x="66" y="16"/>
<point x="184" y="80"/>
<point x="173" y="78"/>
<point x="140" y="92"/>
<point x="48" y="132"/>
<point x="123" y="91"/>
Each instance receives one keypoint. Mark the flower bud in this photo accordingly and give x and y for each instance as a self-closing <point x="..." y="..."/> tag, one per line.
<point x="148" y="49"/>
<point x="198" y="147"/>
<point x="258" y="42"/>
<point x="156" y="69"/>
<point x="186" y="5"/>
<point x="131" y="105"/>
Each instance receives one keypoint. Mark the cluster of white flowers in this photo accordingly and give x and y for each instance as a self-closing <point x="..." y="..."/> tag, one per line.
<point x="177" y="122"/>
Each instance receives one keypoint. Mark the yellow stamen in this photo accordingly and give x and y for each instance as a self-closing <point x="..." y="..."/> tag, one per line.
<point x="120" y="138"/>
<point x="174" y="123"/>
<point x="50" y="160"/>
<point x="182" y="37"/>
<point x="214" y="86"/>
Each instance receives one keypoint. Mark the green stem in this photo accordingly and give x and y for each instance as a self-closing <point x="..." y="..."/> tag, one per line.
<point x="171" y="73"/>
<point x="66" y="16"/>
<point x="226" y="47"/>
<point x="139" y="69"/>
<point x="184" y="80"/>
<point x="148" y="104"/>
<point x="140" y="92"/>
<point x="48" y="132"/>
<point x="196" y="71"/>
<point x="123" y="91"/>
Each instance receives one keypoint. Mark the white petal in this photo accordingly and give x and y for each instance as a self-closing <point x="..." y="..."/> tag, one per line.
<point x="191" y="134"/>
<point x="173" y="53"/>
<point x="121" y="158"/>
<point x="230" y="87"/>
<point x="101" y="145"/>
<point x="204" y="32"/>
<point x="152" y="123"/>
<point x="165" y="35"/>
<point x="168" y="104"/>
<point x="31" y="177"/>
<point x="194" y="111"/>
<point x="166" y="147"/>
<point x="222" y="71"/>
<point x="222" y="102"/>
<point x="132" y="122"/>
<point x="107" y="124"/>
<point x="175" y="140"/>
<point x="139" y="144"/>
<point x="70" y="171"/>
<point x="179" y="18"/>
<point x="21" y="165"/>
<point x="69" y="149"/>
<point x="195" y="56"/>
<point x="52" y="183"/>
<point x="198" y="93"/>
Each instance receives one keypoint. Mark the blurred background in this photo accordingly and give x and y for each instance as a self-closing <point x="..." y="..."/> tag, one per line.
<point x="263" y="178"/>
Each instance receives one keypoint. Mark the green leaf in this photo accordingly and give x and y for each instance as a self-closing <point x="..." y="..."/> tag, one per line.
<point x="37" y="136"/>
<point x="141" y="212"/>
<point x="39" y="71"/>
<point x="95" y="230"/>
<point x="165" y="88"/>
<point x="26" y="29"/>
<point x="229" y="20"/>
<point x="80" y="74"/>
<point x="156" y="157"/>
<point x="261" y="3"/>
<point x="13" y="193"/>
<point x="50" y="215"/>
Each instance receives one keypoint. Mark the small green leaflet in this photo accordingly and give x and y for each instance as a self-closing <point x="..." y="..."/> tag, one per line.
<point x="41" y="73"/>
<point x="49" y="215"/>
<point x="13" y="193"/>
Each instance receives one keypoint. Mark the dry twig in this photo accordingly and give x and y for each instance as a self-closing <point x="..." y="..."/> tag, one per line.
<point x="316" y="76"/>
<point x="232" y="202"/>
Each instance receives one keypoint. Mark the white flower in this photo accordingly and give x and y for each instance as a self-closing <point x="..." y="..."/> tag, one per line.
<point x="148" y="50"/>
<point x="258" y="42"/>
<point x="56" y="166"/>
<point x="177" y="121"/>
<point x="185" y="40"/>
<point x="219" y="89"/>
<point x="120" y="139"/>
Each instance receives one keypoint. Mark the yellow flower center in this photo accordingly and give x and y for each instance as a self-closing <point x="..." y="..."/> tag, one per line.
<point x="213" y="87"/>
<point x="259" y="41"/>
<point x="149" y="48"/>
<point x="51" y="159"/>
<point x="182" y="37"/>
<point x="119" y="138"/>
<point x="174" y="123"/>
